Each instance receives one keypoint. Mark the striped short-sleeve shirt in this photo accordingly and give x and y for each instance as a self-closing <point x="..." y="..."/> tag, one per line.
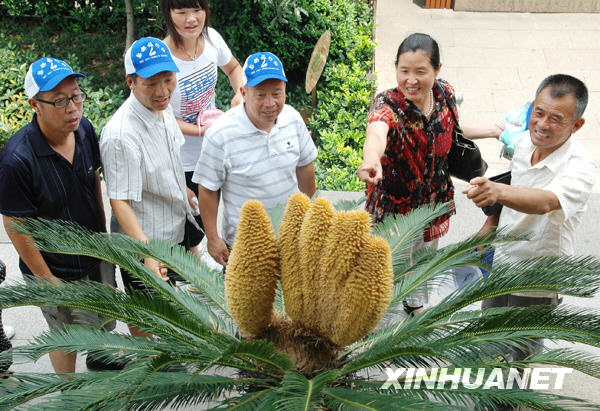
<point x="248" y="163"/>
<point x="141" y="160"/>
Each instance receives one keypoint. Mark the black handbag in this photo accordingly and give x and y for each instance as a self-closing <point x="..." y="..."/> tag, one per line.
<point x="503" y="178"/>
<point x="464" y="159"/>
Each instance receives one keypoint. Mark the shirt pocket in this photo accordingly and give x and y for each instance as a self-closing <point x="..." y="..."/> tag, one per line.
<point x="285" y="149"/>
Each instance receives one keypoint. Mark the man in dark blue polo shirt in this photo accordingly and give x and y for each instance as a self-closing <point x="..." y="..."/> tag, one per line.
<point x="49" y="169"/>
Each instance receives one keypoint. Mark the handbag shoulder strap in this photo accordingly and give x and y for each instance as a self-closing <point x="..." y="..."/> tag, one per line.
<point x="450" y="102"/>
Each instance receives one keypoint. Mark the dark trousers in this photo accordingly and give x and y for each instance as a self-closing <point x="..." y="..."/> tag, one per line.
<point x="193" y="236"/>
<point x="520" y="301"/>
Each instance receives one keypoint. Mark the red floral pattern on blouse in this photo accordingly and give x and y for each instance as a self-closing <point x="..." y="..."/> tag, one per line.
<point x="415" y="162"/>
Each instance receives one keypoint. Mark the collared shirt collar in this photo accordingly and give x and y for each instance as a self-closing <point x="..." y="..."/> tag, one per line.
<point x="40" y="143"/>
<point x="556" y="159"/>
<point x="146" y="115"/>
<point x="281" y="121"/>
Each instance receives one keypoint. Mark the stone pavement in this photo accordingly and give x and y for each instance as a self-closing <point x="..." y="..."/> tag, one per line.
<point x="496" y="60"/>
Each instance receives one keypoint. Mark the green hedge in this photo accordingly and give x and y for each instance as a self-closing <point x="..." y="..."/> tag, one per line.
<point x="289" y="29"/>
<point x="76" y="16"/>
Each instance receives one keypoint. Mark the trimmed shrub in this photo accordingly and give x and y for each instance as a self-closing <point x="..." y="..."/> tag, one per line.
<point x="76" y="16"/>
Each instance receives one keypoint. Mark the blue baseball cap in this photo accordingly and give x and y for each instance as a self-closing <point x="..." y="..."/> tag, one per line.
<point x="147" y="57"/>
<point x="45" y="74"/>
<point x="262" y="66"/>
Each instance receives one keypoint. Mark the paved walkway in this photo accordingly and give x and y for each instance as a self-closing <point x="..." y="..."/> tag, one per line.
<point x="496" y="60"/>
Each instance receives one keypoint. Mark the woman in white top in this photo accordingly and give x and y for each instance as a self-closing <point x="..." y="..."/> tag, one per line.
<point x="197" y="50"/>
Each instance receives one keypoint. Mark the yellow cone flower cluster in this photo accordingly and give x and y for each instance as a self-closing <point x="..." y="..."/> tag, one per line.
<point x="252" y="270"/>
<point x="336" y="277"/>
<point x="289" y="230"/>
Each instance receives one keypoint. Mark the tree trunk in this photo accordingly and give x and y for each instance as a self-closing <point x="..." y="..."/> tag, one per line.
<point x="130" y="24"/>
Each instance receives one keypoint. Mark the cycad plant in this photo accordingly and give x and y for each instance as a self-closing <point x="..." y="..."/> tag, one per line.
<point x="292" y="326"/>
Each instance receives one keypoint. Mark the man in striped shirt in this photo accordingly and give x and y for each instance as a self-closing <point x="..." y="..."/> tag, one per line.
<point x="140" y="150"/>
<point x="257" y="150"/>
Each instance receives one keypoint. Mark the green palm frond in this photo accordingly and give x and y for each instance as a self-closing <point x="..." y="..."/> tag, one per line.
<point x="552" y="322"/>
<point x="569" y="275"/>
<point x="171" y="389"/>
<point x="83" y="339"/>
<point x="254" y="400"/>
<point x="433" y="266"/>
<point x="421" y="342"/>
<point x="69" y="238"/>
<point x="349" y="399"/>
<point x="460" y="342"/>
<point x="446" y="397"/>
<point x="347" y="205"/>
<point x="581" y="361"/>
<point x="262" y="351"/>
<point x="154" y="314"/>
<point x="402" y="231"/>
<point x="30" y="387"/>
<point x="298" y="393"/>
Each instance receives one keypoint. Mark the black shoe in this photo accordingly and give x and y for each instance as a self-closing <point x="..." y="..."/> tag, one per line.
<point x="95" y="364"/>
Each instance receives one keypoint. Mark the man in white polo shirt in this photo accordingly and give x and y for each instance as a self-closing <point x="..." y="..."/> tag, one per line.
<point x="140" y="150"/>
<point x="257" y="150"/>
<point x="552" y="179"/>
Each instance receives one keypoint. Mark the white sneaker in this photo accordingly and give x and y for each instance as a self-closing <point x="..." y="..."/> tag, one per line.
<point x="9" y="331"/>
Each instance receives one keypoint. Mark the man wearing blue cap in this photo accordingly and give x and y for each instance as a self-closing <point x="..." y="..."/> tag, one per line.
<point x="140" y="148"/>
<point x="257" y="150"/>
<point x="49" y="169"/>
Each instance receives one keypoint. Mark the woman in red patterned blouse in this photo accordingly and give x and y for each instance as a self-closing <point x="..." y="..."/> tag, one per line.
<point x="409" y="134"/>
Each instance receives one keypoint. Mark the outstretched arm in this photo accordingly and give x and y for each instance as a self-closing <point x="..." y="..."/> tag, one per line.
<point x="474" y="132"/>
<point x="484" y="192"/>
<point x="370" y="170"/>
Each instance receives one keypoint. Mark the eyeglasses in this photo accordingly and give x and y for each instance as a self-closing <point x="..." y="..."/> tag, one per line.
<point x="64" y="102"/>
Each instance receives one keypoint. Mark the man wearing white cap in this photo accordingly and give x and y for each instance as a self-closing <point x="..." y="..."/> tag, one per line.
<point x="257" y="150"/>
<point x="140" y="149"/>
<point x="49" y="169"/>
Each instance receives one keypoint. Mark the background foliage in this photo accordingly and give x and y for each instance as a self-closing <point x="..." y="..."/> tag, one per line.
<point x="91" y="37"/>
